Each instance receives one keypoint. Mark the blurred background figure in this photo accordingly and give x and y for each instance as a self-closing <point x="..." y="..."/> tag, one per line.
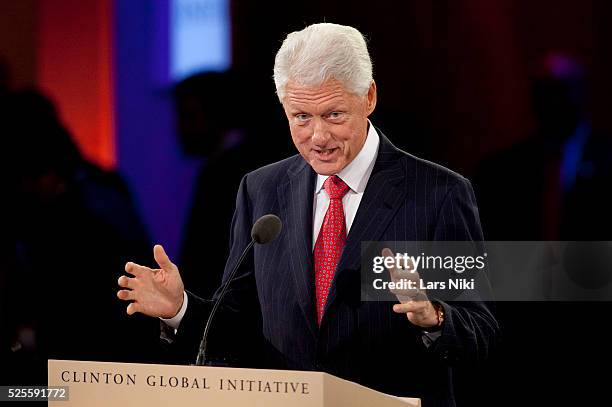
<point x="549" y="185"/>
<point x="73" y="227"/>
<point x="220" y="118"/>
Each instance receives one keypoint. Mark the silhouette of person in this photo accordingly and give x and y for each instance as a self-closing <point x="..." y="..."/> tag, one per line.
<point x="218" y="122"/>
<point x="548" y="186"/>
<point x="72" y="224"/>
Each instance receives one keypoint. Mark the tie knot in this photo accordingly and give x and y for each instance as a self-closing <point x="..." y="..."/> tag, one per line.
<point x="335" y="187"/>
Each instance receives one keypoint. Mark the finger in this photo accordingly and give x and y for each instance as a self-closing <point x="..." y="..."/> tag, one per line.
<point x="404" y="275"/>
<point x="126" y="282"/>
<point x="126" y="295"/>
<point x="410" y="266"/>
<point x="133" y="308"/>
<point x="406" y="265"/>
<point x="410" y="306"/>
<point x="393" y="272"/>
<point x="135" y="269"/>
<point x="398" y="275"/>
<point x="162" y="258"/>
<point x="406" y="296"/>
<point x="386" y="252"/>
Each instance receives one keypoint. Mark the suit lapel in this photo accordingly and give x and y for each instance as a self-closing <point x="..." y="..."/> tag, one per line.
<point x="296" y="202"/>
<point x="381" y="199"/>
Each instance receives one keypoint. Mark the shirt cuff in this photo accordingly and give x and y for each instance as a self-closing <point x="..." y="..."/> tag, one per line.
<point x="175" y="321"/>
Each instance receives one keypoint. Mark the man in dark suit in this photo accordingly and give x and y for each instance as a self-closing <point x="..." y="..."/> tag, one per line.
<point x="296" y="301"/>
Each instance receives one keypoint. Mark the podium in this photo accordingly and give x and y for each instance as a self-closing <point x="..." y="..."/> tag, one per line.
<point x="130" y="384"/>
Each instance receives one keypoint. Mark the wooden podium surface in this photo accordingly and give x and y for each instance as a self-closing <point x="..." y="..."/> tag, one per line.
<point x="105" y="384"/>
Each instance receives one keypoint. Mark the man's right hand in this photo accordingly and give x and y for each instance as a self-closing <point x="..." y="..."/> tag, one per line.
<point x="154" y="292"/>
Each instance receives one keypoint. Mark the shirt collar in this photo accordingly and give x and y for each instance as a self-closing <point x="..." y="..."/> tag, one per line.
<point x="357" y="172"/>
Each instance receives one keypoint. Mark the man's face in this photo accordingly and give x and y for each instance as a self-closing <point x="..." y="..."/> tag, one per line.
<point x="328" y="124"/>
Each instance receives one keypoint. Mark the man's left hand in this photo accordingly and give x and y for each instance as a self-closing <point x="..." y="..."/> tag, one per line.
<point x="414" y="303"/>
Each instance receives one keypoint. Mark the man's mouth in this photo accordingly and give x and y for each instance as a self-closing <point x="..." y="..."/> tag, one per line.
<point x="325" y="154"/>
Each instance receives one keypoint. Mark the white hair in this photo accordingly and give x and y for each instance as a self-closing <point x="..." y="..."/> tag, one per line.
<point x="321" y="52"/>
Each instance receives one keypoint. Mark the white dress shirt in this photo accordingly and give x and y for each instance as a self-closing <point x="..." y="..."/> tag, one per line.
<point x="356" y="175"/>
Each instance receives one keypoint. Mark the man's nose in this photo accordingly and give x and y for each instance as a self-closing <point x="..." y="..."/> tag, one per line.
<point x="320" y="135"/>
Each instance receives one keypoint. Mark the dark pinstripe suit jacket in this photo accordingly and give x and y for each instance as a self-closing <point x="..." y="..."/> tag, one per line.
<point x="269" y="317"/>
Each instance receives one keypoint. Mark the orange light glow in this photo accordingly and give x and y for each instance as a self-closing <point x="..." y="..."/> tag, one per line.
<point x="75" y="69"/>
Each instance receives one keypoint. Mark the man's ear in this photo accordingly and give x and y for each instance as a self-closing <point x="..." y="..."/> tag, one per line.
<point x="371" y="98"/>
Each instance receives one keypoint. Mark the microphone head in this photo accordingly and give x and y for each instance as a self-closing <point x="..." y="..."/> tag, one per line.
<point x="266" y="229"/>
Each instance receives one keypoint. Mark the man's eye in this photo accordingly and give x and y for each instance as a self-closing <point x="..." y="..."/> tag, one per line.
<point x="335" y="115"/>
<point x="302" y="117"/>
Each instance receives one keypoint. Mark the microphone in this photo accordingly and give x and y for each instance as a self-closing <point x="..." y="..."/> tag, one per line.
<point x="265" y="229"/>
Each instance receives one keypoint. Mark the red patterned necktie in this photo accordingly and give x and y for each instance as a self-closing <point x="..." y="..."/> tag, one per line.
<point x="330" y="241"/>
